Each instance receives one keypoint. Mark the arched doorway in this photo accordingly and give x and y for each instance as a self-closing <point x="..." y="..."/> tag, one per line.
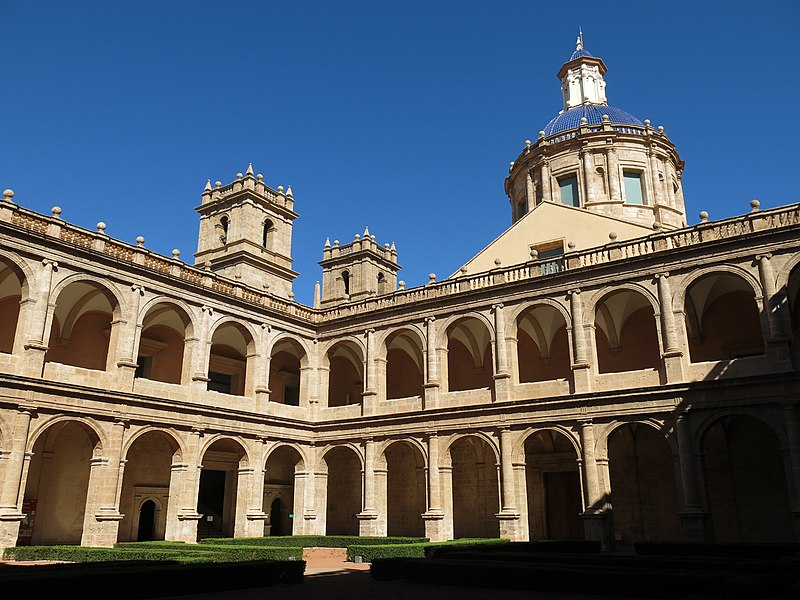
<point x="276" y="518"/>
<point x="147" y="522"/>
<point x="280" y="490"/>
<point x="476" y="498"/>
<point x="405" y="490"/>
<point x="344" y="491"/>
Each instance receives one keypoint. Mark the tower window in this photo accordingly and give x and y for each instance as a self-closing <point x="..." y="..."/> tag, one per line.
<point x="569" y="191"/>
<point x="382" y="283"/>
<point x="346" y="282"/>
<point x="223" y="225"/>
<point x="633" y="187"/>
<point x="268" y="228"/>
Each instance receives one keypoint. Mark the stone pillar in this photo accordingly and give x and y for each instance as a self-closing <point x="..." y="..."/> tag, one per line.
<point x="580" y="366"/>
<point x="129" y="341"/>
<point x="530" y="191"/>
<point x="596" y="518"/>
<point x="446" y="480"/>
<point x="432" y="384"/>
<point x="502" y="376"/>
<point x="673" y="355"/>
<point x="311" y="510"/>
<point x="793" y="466"/>
<point x="36" y="345"/>
<point x="369" y="515"/>
<point x="547" y="194"/>
<point x="370" y="394"/>
<point x="250" y="520"/>
<point x="184" y="485"/>
<point x="262" y="390"/>
<point x="200" y="376"/>
<point x="614" y="186"/>
<point x="508" y="515"/>
<point x="777" y="326"/>
<point x="434" y="516"/>
<point x="588" y="175"/>
<point x="12" y="486"/>
<point x="521" y="483"/>
<point x="656" y="182"/>
<point x="693" y="516"/>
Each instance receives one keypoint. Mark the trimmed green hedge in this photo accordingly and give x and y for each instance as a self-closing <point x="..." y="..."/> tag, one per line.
<point x="164" y="551"/>
<point x="315" y="541"/>
<point x="417" y="550"/>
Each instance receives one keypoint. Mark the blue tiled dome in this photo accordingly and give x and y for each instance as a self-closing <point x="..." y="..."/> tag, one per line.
<point x="571" y="118"/>
<point x="578" y="53"/>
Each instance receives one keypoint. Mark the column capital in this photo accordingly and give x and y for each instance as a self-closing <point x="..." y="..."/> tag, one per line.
<point x="29" y="409"/>
<point x="207" y="309"/>
<point x="50" y="263"/>
<point x="497" y="305"/>
<point x="430" y="319"/>
<point x="763" y="255"/>
<point x="137" y="288"/>
<point x="266" y="327"/>
<point x="662" y="275"/>
<point x="573" y="292"/>
<point x="369" y="331"/>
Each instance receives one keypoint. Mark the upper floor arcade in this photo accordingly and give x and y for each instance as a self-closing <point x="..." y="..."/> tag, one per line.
<point x="664" y="309"/>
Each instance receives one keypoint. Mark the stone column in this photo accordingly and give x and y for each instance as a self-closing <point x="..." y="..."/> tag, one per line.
<point x="370" y="394"/>
<point x="262" y="390"/>
<point x="200" y="376"/>
<point x="129" y="341"/>
<point x="673" y="355"/>
<point x="12" y="486"/>
<point x="184" y="486"/>
<point x="432" y="385"/>
<point x="530" y="191"/>
<point x="446" y="480"/>
<point x="596" y="519"/>
<point x="251" y="518"/>
<point x="656" y="182"/>
<point x="614" y="186"/>
<point x="547" y="194"/>
<point x="588" y="178"/>
<point x="434" y="516"/>
<point x="521" y="483"/>
<point x="369" y="515"/>
<point x="508" y="515"/>
<point x="693" y="516"/>
<point x="777" y="319"/>
<point x="311" y="510"/>
<point x="580" y="365"/>
<point x="792" y="466"/>
<point x="502" y="377"/>
<point x="36" y="345"/>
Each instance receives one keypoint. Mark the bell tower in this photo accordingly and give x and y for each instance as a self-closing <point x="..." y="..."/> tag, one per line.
<point x="357" y="270"/>
<point x="246" y="233"/>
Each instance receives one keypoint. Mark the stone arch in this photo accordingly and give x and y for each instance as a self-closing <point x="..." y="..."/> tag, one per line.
<point x="745" y="476"/>
<point x="475" y="487"/>
<point x="626" y="325"/>
<point x="163" y="351"/>
<point x="469" y="340"/>
<point x="345" y="361"/>
<point x="542" y="332"/>
<point x="149" y="455"/>
<point x="518" y="451"/>
<point x="403" y="350"/>
<point x="15" y="277"/>
<point x="553" y="493"/>
<point x="62" y="450"/>
<point x="288" y="360"/>
<point x="222" y="457"/>
<point x="404" y="462"/>
<point x="40" y="427"/>
<point x="84" y="322"/>
<point x="643" y="482"/>
<point x="723" y="313"/>
<point x="282" y="464"/>
<point x="232" y="352"/>
<point x="343" y="490"/>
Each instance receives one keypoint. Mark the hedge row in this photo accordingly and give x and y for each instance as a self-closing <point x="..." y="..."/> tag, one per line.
<point x="143" y="579"/>
<point x="316" y="541"/>
<point x="174" y="551"/>
<point x="417" y="550"/>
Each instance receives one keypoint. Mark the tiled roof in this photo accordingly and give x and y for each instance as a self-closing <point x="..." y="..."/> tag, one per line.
<point x="571" y="118"/>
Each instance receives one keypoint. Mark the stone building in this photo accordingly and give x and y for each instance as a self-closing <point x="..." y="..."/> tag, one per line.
<point x="601" y="370"/>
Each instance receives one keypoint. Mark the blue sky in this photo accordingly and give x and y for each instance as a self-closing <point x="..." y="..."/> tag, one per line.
<point x="399" y="116"/>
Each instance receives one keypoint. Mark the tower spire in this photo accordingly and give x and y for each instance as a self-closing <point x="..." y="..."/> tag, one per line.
<point x="579" y="41"/>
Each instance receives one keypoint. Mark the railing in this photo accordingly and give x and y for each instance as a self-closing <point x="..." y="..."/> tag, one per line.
<point x="704" y="232"/>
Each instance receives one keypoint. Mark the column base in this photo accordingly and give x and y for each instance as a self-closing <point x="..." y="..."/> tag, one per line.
<point x="673" y="366"/>
<point x="599" y="527"/>
<point x="185" y="530"/>
<point x="581" y="378"/>
<point x="9" y="530"/>
<point x="434" y="526"/>
<point x="502" y="387"/>
<point x="694" y="526"/>
<point x="33" y="359"/>
<point x="430" y="397"/>
<point x="368" y="524"/>
<point x="103" y="531"/>
<point x="509" y="525"/>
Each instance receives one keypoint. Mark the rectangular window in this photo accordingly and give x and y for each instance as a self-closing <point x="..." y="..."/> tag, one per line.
<point x="633" y="188"/>
<point x="219" y="382"/>
<point x="569" y="191"/>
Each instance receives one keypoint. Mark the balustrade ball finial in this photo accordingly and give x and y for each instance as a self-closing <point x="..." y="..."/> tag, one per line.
<point x="755" y="205"/>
